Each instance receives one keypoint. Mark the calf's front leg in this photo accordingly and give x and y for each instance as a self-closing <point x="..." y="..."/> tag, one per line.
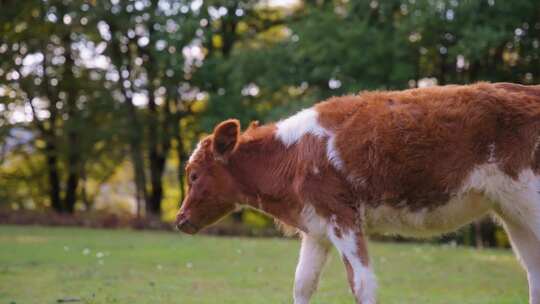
<point x="313" y="255"/>
<point x="351" y="244"/>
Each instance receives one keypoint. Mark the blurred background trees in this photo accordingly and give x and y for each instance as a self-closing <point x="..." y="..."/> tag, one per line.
<point x="101" y="101"/>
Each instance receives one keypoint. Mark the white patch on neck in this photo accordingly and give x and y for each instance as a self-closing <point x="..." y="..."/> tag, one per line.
<point x="292" y="129"/>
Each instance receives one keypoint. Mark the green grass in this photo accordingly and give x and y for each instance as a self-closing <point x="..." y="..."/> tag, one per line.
<point x="44" y="265"/>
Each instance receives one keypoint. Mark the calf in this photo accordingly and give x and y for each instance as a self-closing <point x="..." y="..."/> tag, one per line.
<point x="418" y="163"/>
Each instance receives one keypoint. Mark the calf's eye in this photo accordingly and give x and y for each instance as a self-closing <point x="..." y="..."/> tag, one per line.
<point x="193" y="177"/>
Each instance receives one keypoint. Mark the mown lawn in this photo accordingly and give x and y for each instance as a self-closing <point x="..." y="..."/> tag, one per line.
<point x="52" y="265"/>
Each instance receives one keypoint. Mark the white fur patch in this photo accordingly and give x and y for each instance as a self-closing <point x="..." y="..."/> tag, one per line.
<point x="316" y="225"/>
<point x="527" y="249"/>
<point x="292" y="129"/>
<point x="496" y="184"/>
<point x="516" y="199"/>
<point x="468" y="204"/>
<point x="459" y="211"/>
<point x="486" y="188"/>
<point x="313" y="255"/>
<point x="333" y="154"/>
<point x="365" y="282"/>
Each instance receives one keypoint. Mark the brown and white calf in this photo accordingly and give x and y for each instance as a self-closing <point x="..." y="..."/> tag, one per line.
<point x="418" y="163"/>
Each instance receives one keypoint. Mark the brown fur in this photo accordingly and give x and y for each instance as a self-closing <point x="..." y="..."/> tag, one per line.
<point x="431" y="138"/>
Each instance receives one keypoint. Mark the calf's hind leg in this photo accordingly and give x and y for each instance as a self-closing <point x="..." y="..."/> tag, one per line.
<point x="520" y="214"/>
<point x="527" y="248"/>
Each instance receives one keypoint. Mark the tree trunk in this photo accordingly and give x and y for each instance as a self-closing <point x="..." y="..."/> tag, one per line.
<point x="54" y="180"/>
<point x="71" y="188"/>
<point x="137" y="158"/>
<point x="158" y="130"/>
<point x="73" y="157"/>
<point x="157" y="151"/>
<point x="136" y="132"/>
<point x="180" y="153"/>
<point x="176" y="129"/>
<point x="49" y="135"/>
<point x="84" y="192"/>
<point x="157" y="167"/>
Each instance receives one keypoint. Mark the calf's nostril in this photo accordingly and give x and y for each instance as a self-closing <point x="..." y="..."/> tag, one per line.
<point x="186" y="226"/>
<point x="180" y="220"/>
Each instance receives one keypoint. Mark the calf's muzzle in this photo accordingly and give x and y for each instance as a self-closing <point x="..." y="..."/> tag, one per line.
<point x="185" y="225"/>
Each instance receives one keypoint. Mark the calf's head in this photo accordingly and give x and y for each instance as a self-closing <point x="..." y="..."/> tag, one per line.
<point x="213" y="192"/>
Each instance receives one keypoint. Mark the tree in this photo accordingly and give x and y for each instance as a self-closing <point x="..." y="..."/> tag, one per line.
<point x="144" y="43"/>
<point x="49" y="87"/>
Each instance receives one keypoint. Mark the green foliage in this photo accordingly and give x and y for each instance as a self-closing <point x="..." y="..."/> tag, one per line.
<point x="94" y="84"/>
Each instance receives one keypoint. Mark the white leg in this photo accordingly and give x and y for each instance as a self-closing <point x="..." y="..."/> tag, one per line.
<point x="527" y="248"/>
<point x="313" y="255"/>
<point x="519" y="200"/>
<point x="353" y="249"/>
<point x="520" y="214"/>
<point x="526" y="245"/>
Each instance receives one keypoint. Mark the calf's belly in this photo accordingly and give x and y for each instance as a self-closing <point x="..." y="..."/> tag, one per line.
<point x="458" y="211"/>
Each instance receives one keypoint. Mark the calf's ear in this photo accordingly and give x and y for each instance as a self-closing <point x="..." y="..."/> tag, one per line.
<point x="226" y="139"/>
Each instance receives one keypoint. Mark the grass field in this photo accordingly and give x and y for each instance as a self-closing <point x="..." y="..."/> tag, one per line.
<point x="52" y="265"/>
